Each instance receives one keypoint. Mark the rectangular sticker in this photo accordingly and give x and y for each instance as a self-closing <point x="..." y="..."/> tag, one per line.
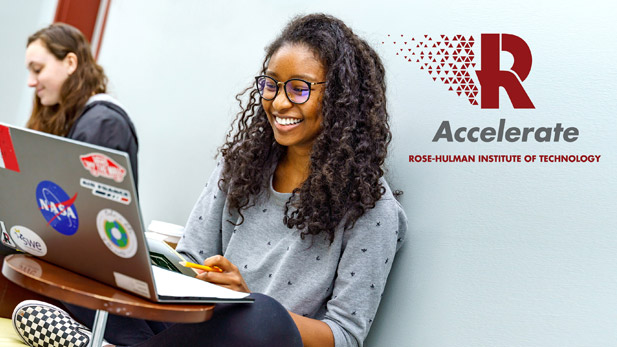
<point x="101" y="165"/>
<point x="131" y="284"/>
<point x="8" y="159"/>
<point x="106" y="191"/>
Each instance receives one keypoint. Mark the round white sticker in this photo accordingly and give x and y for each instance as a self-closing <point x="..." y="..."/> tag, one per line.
<point x="28" y="241"/>
<point x="116" y="232"/>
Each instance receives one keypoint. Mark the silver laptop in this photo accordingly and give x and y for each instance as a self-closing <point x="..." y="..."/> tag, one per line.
<point x="75" y="205"/>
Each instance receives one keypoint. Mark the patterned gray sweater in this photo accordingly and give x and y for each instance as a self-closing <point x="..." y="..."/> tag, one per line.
<point x="339" y="283"/>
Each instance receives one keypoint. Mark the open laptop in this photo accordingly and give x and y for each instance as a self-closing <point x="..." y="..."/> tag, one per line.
<point x="75" y="205"/>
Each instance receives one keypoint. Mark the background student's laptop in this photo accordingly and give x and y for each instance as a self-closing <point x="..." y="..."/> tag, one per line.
<point x="75" y="205"/>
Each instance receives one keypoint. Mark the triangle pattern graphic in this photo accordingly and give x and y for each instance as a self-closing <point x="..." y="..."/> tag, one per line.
<point x="452" y="55"/>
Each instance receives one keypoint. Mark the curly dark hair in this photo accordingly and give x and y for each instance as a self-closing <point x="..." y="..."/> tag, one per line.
<point x="347" y="156"/>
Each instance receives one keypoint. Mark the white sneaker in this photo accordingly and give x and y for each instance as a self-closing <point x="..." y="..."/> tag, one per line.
<point x="40" y="324"/>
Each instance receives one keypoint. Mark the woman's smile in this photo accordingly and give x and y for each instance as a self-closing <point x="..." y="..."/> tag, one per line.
<point x="295" y="125"/>
<point x="287" y="121"/>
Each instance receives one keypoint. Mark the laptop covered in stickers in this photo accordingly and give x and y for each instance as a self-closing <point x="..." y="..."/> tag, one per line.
<point x="75" y="205"/>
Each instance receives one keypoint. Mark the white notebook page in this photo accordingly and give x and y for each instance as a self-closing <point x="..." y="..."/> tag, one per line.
<point x="169" y="283"/>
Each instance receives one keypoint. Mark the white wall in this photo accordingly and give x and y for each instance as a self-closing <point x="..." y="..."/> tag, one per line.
<point x="18" y="20"/>
<point x="497" y="254"/>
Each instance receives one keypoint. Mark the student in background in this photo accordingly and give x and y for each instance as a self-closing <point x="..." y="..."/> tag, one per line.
<point x="69" y="94"/>
<point x="69" y="97"/>
<point x="297" y="211"/>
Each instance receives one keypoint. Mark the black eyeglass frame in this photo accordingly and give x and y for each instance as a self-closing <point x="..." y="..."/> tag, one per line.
<point x="310" y="84"/>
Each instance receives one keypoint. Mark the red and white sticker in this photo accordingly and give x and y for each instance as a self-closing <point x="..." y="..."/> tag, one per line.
<point x="8" y="159"/>
<point x="5" y="237"/>
<point x="101" y="165"/>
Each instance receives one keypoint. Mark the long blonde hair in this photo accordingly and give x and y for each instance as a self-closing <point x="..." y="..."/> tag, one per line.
<point x="88" y="79"/>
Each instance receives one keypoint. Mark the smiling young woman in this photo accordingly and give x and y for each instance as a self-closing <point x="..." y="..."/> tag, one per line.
<point x="295" y="123"/>
<point x="302" y="174"/>
<point x="297" y="210"/>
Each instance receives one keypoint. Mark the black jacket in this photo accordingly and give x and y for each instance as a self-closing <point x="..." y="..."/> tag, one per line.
<point x="105" y="123"/>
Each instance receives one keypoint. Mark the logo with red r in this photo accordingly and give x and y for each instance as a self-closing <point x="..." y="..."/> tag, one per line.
<point x="452" y="61"/>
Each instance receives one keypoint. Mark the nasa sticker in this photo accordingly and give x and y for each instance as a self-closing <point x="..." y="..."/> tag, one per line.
<point x="28" y="241"/>
<point x="57" y="207"/>
<point x="116" y="232"/>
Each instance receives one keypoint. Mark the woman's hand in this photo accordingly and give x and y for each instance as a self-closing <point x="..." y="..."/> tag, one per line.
<point x="229" y="278"/>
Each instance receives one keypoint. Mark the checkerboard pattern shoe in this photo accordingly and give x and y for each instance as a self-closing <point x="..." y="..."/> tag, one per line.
<point x="41" y="324"/>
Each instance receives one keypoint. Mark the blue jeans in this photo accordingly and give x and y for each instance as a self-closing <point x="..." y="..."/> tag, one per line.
<point x="262" y="323"/>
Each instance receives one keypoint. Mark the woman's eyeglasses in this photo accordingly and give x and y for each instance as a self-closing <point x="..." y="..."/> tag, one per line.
<point x="297" y="90"/>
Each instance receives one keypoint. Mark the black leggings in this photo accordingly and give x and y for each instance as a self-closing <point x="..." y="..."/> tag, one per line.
<point x="262" y="323"/>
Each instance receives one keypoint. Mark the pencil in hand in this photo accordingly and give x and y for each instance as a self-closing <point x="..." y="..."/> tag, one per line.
<point x="201" y="267"/>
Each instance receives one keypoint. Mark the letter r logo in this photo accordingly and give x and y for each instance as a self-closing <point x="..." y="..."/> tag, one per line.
<point x="452" y="60"/>
<point x="491" y="77"/>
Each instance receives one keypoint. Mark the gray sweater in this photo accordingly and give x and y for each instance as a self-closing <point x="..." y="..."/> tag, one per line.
<point x="339" y="283"/>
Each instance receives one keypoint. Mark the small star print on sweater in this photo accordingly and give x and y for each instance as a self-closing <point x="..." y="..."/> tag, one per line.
<point x="339" y="283"/>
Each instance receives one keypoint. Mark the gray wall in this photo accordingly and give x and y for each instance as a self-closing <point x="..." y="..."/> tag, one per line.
<point x="18" y="20"/>
<point x="497" y="254"/>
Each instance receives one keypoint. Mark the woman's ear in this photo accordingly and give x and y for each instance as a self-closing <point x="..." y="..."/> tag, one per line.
<point x="70" y="62"/>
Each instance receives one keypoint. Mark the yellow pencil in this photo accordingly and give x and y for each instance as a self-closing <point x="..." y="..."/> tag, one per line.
<point x="202" y="267"/>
